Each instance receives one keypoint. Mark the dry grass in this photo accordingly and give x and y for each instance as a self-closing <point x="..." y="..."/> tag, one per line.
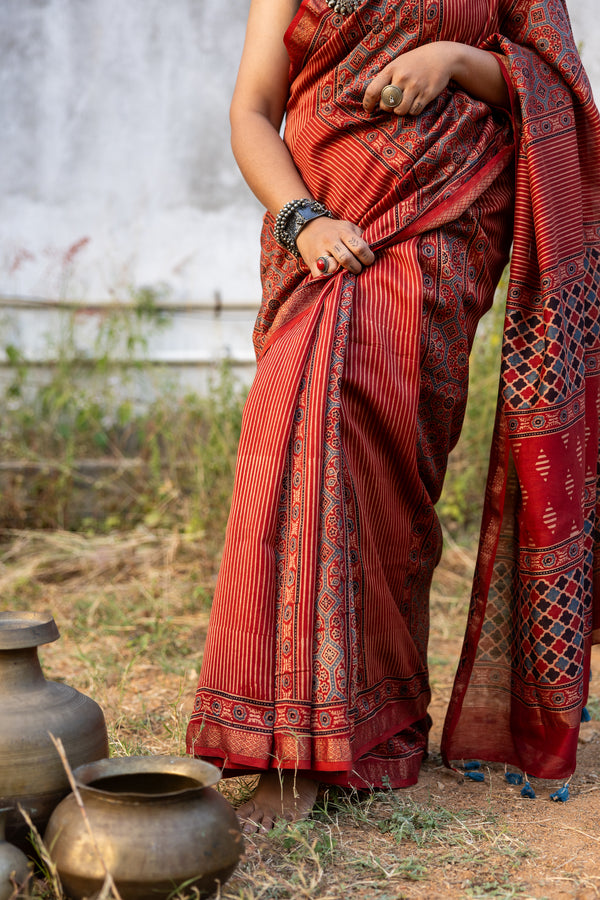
<point x="133" y="608"/>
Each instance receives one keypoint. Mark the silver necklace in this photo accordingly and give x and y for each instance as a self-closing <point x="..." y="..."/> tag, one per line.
<point x="344" y="7"/>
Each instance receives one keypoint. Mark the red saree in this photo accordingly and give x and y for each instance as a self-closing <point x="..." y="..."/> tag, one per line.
<point x="316" y="656"/>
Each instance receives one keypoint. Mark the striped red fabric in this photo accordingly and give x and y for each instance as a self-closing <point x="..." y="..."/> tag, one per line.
<point x="316" y="657"/>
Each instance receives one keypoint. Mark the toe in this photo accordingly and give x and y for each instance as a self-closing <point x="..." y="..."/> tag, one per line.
<point x="250" y="826"/>
<point x="246" y="809"/>
<point x="267" y="823"/>
<point x="249" y="817"/>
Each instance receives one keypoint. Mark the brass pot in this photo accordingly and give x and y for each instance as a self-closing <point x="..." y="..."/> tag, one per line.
<point x="157" y="825"/>
<point x="14" y="867"/>
<point x="31" y="708"/>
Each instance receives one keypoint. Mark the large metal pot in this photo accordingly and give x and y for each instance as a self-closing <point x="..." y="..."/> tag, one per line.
<point x="31" y="708"/>
<point x="157" y="825"/>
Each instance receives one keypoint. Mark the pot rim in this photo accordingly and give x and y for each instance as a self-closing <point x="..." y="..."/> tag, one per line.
<point x="203" y="773"/>
<point x="19" y="630"/>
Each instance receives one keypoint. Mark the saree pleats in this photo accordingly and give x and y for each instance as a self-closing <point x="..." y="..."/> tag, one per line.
<point x="316" y="656"/>
<point x="335" y="679"/>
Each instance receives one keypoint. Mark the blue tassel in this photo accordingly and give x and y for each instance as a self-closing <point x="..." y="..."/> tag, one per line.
<point x="527" y="791"/>
<point x="472" y="765"/>
<point x="475" y="776"/>
<point x="561" y="795"/>
<point x="513" y="777"/>
<point x="586" y="715"/>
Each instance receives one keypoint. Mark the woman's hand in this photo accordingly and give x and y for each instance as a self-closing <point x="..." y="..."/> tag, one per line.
<point x="340" y="243"/>
<point x="423" y="73"/>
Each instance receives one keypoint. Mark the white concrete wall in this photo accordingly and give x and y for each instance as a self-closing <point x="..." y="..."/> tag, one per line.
<point x="117" y="174"/>
<point x="116" y="169"/>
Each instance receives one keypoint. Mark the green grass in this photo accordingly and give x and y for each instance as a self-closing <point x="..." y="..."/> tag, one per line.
<point x="166" y="463"/>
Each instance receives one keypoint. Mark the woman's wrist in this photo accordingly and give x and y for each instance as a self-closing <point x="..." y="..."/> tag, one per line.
<point x="479" y="72"/>
<point x="292" y="218"/>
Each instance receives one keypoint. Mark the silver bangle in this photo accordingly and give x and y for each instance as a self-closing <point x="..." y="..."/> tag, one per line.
<point x="292" y="218"/>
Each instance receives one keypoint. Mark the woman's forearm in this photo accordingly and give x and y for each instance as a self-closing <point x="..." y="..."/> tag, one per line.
<point x="480" y="73"/>
<point x="258" y="106"/>
<point x="265" y="161"/>
<point x="257" y="110"/>
<point x="267" y="165"/>
<point x="269" y="170"/>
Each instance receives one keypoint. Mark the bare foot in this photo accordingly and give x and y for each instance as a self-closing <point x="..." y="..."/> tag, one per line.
<point x="279" y="795"/>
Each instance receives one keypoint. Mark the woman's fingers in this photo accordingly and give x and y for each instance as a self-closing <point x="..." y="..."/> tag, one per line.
<point x="326" y="264"/>
<point x="388" y="96"/>
<point x="328" y="244"/>
<point x="372" y="94"/>
<point x="346" y="257"/>
<point x="359" y="249"/>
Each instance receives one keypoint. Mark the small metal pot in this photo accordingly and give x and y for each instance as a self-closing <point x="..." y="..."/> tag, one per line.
<point x="157" y="825"/>
<point x="14" y="867"/>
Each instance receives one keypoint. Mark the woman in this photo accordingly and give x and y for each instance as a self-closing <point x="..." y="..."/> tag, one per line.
<point x="390" y="208"/>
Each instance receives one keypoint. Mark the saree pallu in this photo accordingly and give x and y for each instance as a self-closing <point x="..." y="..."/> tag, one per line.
<point x="316" y="655"/>
<point x="524" y="671"/>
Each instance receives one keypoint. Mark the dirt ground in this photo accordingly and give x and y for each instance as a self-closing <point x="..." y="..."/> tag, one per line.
<point x="506" y="846"/>
<point x="132" y="632"/>
<point x="560" y="841"/>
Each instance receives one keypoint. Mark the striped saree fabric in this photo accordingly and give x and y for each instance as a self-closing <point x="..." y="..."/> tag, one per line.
<point x="316" y="655"/>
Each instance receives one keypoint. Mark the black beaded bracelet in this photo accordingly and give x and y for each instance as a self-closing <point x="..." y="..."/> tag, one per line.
<point x="292" y="218"/>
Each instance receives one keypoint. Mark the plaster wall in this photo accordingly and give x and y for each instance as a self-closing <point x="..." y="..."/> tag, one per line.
<point x="116" y="169"/>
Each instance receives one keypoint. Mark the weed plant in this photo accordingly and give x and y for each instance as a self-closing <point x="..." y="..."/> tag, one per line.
<point x="80" y="452"/>
<point x="86" y="456"/>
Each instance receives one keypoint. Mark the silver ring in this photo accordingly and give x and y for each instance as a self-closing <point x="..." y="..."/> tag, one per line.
<point x="323" y="264"/>
<point x="391" y="96"/>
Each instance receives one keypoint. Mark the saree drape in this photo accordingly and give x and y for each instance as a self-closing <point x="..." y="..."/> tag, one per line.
<point x="316" y="656"/>
<point x="523" y="676"/>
